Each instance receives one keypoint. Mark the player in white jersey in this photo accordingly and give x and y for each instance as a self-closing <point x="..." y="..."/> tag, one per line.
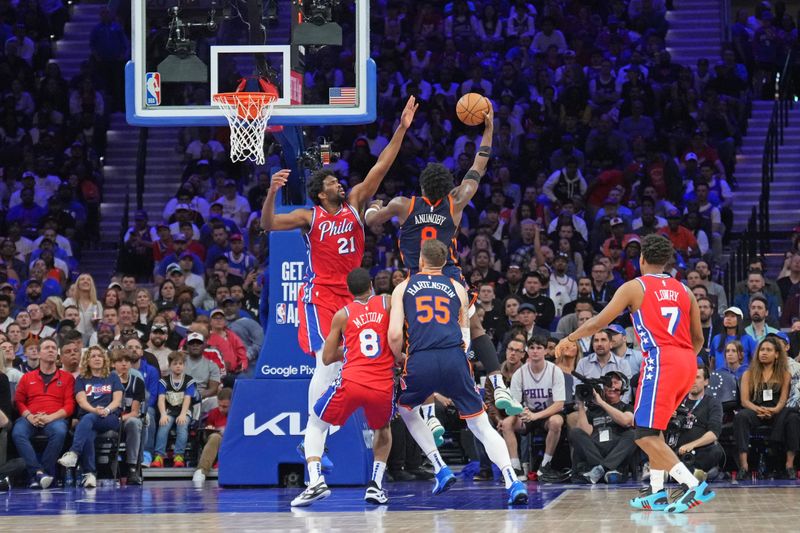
<point x="539" y="386"/>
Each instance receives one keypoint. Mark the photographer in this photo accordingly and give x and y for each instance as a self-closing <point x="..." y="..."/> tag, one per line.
<point x="695" y="428"/>
<point x="603" y="439"/>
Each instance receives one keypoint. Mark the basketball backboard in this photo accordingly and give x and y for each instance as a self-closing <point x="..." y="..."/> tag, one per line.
<point x="184" y="51"/>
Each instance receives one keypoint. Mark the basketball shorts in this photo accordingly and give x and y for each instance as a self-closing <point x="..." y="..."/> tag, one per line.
<point x="446" y="371"/>
<point x="343" y="398"/>
<point x="315" y="314"/>
<point x="665" y="380"/>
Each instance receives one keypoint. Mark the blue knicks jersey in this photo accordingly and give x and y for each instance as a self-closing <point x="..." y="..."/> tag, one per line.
<point x="429" y="221"/>
<point x="432" y="309"/>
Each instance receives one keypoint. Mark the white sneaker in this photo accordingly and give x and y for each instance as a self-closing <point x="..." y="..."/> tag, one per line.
<point x="437" y="429"/>
<point x="318" y="491"/>
<point x="198" y="478"/>
<point x="89" y="481"/>
<point x="69" y="460"/>
<point x="504" y="401"/>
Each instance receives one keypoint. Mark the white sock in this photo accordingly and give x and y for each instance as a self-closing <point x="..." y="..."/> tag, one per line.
<point x="682" y="475"/>
<point x="497" y="381"/>
<point x="378" y="468"/>
<point x="515" y="463"/>
<point x="494" y="445"/>
<point x="656" y="480"/>
<point x="428" y="411"/>
<point x="315" y="472"/>
<point x="546" y="459"/>
<point x="436" y="460"/>
<point x="423" y="436"/>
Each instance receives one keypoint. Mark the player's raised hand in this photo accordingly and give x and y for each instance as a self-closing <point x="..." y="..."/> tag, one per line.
<point x="408" y="112"/>
<point x="279" y="179"/>
<point x="488" y="117"/>
<point x="562" y="345"/>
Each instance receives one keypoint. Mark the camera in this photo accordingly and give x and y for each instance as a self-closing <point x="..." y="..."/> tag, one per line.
<point x="584" y="392"/>
<point x="318" y="155"/>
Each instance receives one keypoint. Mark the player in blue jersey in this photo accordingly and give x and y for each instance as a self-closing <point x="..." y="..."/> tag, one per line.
<point x="436" y="214"/>
<point x="429" y="311"/>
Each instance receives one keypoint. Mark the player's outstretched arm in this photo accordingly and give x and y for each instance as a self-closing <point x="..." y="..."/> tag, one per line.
<point x="397" y="318"/>
<point x="626" y="296"/>
<point x="330" y="351"/>
<point x="297" y="219"/>
<point x="469" y="185"/>
<point x="365" y="190"/>
<point x="379" y="214"/>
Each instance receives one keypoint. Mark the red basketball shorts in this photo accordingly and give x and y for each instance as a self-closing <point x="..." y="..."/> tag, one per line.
<point x="315" y="313"/>
<point x="342" y="399"/>
<point x="666" y="377"/>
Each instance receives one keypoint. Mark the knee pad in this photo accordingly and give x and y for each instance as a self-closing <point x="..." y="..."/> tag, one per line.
<point x="641" y="433"/>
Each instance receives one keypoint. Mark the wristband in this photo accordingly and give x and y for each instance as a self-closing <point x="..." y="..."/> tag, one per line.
<point x="473" y="175"/>
<point x="371" y="209"/>
<point x="485" y="151"/>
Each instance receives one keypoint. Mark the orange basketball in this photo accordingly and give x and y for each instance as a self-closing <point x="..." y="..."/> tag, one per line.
<point x="471" y="108"/>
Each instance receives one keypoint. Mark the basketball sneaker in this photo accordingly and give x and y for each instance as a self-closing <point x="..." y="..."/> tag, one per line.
<point x="375" y="494"/>
<point x="684" y="498"/>
<point x="318" y="491"/>
<point x="443" y="480"/>
<point x="158" y="462"/>
<point x="504" y="401"/>
<point x="179" y="462"/>
<point x="517" y="494"/>
<point x="437" y="429"/>
<point x="325" y="461"/>
<point x="649" y="501"/>
<point x="68" y="460"/>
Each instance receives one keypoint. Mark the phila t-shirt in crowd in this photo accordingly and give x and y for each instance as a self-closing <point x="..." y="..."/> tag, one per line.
<point x="99" y="391"/>
<point x="538" y="391"/>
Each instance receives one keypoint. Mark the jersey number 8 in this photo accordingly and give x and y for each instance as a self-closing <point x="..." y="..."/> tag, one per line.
<point x="370" y="343"/>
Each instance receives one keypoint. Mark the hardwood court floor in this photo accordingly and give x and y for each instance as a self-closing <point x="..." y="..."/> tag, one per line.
<point x="177" y="506"/>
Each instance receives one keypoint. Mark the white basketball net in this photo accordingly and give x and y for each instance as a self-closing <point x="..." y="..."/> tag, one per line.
<point x="247" y="114"/>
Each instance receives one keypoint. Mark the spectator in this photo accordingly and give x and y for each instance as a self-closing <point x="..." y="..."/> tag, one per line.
<point x="547" y="37"/>
<point x="758" y="328"/>
<point x="85" y="300"/>
<point x="45" y="401"/>
<point x="133" y="403"/>
<point x="157" y="343"/>
<point x="229" y="345"/>
<point x="602" y="361"/>
<point x="602" y="448"/>
<point x="764" y="391"/>
<point x="206" y="374"/>
<point x="70" y="355"/>
<point x="248" y="330"/>
<point x="234" y="205"/>
<point x="99" y="395"/>
<point x="539" y="386"/>
<point x="701" y="427"/>
<point x="151" y="376"/>
<point x="214" y="426"/>
<point x="565" y="184"/>
<point x="681" y="237"/>
<point x="756" y="285"/>
<point x="732" y="322"/>
<point x="175" y="397"/>
<point x="619" y="346"/>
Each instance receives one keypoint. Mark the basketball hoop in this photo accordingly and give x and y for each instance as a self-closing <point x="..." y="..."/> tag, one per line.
<point x="248" y="114"/>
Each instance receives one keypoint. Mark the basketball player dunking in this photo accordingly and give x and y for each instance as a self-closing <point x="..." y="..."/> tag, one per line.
<point x="333" y="231"/>
<point x="667" y="323"/>
<point x="366" y="381"/>
<point x="436" y="215"/>
<point x="429" y="310"/>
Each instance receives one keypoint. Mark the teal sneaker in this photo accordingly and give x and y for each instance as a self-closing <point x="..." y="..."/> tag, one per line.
<point x="685" y="498"/>
<point x="649" y="501"/>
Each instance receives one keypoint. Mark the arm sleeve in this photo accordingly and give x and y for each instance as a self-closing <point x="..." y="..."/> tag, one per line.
<point x="559" y="392"/>
<point x="715" y="416"/>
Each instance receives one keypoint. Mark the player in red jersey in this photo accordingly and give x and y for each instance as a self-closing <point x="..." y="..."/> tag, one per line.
<point x="366" y="381"/>
<point x="667" y="322"/>
<point x="333" y="231"/>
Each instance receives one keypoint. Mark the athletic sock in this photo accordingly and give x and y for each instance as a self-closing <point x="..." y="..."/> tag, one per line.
<point x="509" y="476"/>
<point x="428" y="411"/>
<point x="546" y="459"/>
<point x="315" y="472"/>
<point x="656" y="480"/>
<point x="681" y="474"/>
<point x="515" y="463"/>
<point x="497" y="381"/>
<point x="436" y="460"/>
<point x="378" y="468"/>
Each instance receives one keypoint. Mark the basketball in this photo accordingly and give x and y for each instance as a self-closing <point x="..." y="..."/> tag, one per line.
<point x="471" y="108"/>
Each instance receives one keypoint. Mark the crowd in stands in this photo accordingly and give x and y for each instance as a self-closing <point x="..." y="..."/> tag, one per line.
<point x="600" y="139"/>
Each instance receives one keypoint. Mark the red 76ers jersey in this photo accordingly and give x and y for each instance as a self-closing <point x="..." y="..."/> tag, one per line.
<point x="335" y="246"/>
<point x="663" y="320"/>
<point x="367" y="357"/>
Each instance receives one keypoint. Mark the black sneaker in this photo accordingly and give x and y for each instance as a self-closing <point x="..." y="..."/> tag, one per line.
<point x="483" y="475"/>
<point x="401" y="475"/>
<point x="520" y="473"/>
<point x="5" y="484"/>
<point x="375" y="494"/>
<point x="421" y="474"/>
<point x="318" y="491"/>
<point x="133" y="477"/>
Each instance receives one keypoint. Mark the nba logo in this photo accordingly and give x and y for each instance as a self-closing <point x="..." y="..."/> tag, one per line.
<point x="280" y="313"/>
<point x="152" y="83"/>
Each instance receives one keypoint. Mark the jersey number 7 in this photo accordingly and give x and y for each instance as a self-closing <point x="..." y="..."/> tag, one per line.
<point x="432" y="307"/>
<point x="673" y="314"/>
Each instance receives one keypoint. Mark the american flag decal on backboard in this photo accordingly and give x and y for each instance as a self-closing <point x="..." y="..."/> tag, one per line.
<point x="342" y="96"/>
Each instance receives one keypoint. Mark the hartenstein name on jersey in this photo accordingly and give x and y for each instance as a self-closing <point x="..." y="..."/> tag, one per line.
<point x="666" y="294"/>
<point x="423" y="284"/>
<point x="328" y="228"/>
<point x="430" y="218"/>
<point x="366" y="318"/>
